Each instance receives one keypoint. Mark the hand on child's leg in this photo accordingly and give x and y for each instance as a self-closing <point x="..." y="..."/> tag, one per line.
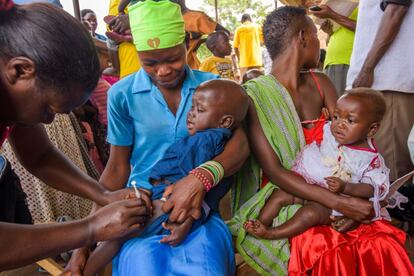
<point x="178" y="232"/>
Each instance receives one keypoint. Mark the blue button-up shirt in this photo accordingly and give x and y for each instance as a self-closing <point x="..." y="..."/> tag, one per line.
<point x="138" y="116"/>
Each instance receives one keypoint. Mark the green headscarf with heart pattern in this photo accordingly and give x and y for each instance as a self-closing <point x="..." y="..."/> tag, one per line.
<point x="156" y="25"/>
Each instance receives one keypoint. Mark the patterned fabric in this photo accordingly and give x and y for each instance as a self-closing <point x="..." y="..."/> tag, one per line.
<point x="46" y="203"/>
<point x="84" y="151"/>
<point x="267" y="61"/>
<point x="282" y="128"/>
<point x="218" y="65"/>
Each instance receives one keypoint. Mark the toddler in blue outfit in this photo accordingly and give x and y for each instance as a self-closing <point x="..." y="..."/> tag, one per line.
<point x="218" y="107"/>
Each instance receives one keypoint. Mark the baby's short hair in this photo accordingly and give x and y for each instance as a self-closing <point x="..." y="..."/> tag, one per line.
<point x="374" y="99"/>
<point x="230" y="95"/>
<point x="251" y="74"/>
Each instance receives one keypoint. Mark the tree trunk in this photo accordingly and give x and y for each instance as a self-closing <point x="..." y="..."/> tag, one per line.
<point x="216" y="10"/>
<point x="76" y="9"/>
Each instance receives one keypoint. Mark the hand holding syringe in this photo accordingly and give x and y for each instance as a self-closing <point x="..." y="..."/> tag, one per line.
<point x="137" y="192"/>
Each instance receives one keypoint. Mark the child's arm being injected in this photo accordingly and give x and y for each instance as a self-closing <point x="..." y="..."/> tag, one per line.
<point x="361" y="190"/>
<point x="103" y="254"/>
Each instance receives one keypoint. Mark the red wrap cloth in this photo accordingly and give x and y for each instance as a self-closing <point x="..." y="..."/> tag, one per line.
<point x="315" y="133"/>
<point x="4" y="132"/>
<point x="371" y="249"/>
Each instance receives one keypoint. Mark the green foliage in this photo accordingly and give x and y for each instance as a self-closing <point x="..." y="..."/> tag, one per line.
<point x="203" y="52"/>
<point x="230" y="11"/>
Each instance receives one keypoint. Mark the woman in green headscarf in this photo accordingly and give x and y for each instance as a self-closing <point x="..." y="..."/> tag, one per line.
<point x="146" y="114"/>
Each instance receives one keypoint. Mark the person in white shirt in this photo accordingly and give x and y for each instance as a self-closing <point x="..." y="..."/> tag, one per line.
<point x="383" y="60"/>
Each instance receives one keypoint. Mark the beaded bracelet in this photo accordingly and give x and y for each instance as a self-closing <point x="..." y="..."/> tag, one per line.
<point x="203" y="179"/>
<point x="207" y="172"/>
<point x="215" y="169"/>
<point x="219" y="168"/>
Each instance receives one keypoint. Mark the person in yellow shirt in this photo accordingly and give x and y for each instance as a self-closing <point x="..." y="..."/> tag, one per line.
<point x="219" y="45"/>
<point x="127" y="54"/>
<point x="247" y="40"/>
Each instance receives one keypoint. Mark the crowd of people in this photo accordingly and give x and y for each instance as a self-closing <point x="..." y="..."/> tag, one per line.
<point x="137" y="145"/>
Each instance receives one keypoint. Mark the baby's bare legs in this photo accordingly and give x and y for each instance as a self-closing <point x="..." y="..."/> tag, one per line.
<point x="311" y="214"/>
<point x="274" y="203"/>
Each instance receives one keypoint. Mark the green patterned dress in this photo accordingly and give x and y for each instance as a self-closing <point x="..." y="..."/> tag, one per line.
<point x="282" y="128"/>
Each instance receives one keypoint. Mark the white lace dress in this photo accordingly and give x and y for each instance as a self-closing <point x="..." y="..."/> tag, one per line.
<point x="351" y="164"/>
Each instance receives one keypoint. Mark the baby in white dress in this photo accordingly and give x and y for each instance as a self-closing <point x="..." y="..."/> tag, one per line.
<point x="346" y="162"/>
<point x="321" y="164"/>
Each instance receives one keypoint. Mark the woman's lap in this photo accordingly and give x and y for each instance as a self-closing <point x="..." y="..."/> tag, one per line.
<point x="372" y="249"/>
<point x="207" y="251"/>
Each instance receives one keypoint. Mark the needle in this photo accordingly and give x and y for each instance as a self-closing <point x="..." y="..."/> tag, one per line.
<point x="137" y="193"/>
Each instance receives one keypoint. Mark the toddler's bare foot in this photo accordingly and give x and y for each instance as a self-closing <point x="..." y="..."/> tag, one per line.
<point x="178" y="232"/>
<point x="344" y="224"/>
<point x="259" y="230"/>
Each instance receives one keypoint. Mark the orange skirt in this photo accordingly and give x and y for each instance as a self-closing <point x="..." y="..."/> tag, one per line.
<point x="371" y="249"/>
